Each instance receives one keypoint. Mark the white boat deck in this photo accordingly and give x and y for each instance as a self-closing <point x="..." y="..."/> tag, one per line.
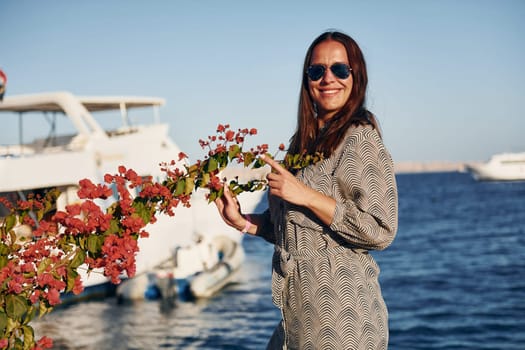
<point x="92" y="151"/>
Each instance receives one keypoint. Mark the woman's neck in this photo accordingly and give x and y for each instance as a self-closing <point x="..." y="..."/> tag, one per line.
<point x="324" y="119"/>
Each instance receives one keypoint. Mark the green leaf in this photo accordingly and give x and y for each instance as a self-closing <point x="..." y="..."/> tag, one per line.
<point x="81" y="242"/>
<point x="193" y="169"/>
<point x="3" y="261"/>
<point x="10" y="222"/>
<point x="258" y="163"/>
<point x="16" y="306"/>
<point x="31" y="313"/>
<point x="248" y="158"/>
<point x="51" y="199"/>
<point x="112" y="208"/>
<point x="3" y="321"/>
<point x="71" y="276"/>
<point x="78" y="260"/>
<point x="142" y="210"/>
<point x="181" y="185"/>
<point x="223" y="160"/>
<point x="238" y="191"/>
<point x="205" y="180"/>
<point x="29" y="337"/>
<point x="94" y="243"/>
<point x="213" y="195"/>
<point x="190" y="185"/>
<point x="234" y="151"/>
<point x="44" y="263"/>
<point x="43" y="309"/>
<point x="211" y="165"/>
<point x="113" y="227"/>
<point x="4" y="249"/>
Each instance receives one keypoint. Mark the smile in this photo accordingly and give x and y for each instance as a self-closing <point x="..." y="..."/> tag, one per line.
<point x="329" y="92"/>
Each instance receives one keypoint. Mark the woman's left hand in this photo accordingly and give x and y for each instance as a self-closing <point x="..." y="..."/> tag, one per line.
<point x="283" y="184"/>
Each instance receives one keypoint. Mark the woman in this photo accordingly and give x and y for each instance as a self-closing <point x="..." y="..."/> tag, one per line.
<point x="324" y="218"/>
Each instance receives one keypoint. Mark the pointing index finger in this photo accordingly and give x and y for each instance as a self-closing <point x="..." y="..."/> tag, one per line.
<point x="275" y="165"/>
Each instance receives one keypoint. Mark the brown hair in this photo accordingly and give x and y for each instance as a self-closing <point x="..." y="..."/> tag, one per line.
<point x="308" y="138"/>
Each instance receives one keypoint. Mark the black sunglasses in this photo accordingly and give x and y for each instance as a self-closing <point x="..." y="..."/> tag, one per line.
<point x="340" y="70"/>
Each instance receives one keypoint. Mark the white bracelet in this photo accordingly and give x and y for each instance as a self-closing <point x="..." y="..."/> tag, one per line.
<point x="248" y="224"/>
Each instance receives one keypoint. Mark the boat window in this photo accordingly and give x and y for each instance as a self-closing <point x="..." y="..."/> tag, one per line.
<point x="113" y="121"/>
<point x="40" y="129"/>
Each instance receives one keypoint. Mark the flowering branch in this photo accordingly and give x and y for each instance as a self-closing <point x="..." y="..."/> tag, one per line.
<point x="35" y="270"/>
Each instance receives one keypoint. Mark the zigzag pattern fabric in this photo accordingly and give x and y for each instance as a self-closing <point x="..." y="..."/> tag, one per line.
<point x="323" y="279"/>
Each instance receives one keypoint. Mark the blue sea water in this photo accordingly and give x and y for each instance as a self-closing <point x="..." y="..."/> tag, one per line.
<point x="454" y="278"/>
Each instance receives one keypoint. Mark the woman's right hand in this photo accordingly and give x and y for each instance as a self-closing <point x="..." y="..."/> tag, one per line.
<point x="230" y="209"/>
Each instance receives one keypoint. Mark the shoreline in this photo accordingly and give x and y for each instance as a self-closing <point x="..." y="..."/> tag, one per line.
<point x="408" y="167"/>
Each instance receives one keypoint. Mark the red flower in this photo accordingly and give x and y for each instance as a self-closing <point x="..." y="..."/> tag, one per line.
<point x="91" y="191"/>
<point x="78" y="288"/>
<point x="215" y="183"/>
<point x="239" y="139"/>
<point x="132" y="176"/>
<point x="45" y="228"/>
<point x="14" y="286"/>
<point x="6" y="203"/>
<point x="53" y="297"/>
<point x="45" y="343"/>
<point x="35" y="297"/>
<point x="219" y="149"/>
<point x="39" y="269"/>
<point x="230" y="134"/>
<point x="182" y="156"/>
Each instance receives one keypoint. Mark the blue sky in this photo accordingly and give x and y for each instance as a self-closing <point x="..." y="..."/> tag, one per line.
<point x="446" y="78"/>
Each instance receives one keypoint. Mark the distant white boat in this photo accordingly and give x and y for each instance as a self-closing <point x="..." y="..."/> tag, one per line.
<point x="500" y="167"/>
<point x="87" y="150"/>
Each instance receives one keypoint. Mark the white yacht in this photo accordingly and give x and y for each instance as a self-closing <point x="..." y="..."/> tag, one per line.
<point x="76" y="146"/>
<point x="500" y="167"/>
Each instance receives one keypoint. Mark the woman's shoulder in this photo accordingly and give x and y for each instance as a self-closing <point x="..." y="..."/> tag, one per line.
<point x="356" y="134"/>
<point x="363" y="143"/>
<point x="361" y="130"/>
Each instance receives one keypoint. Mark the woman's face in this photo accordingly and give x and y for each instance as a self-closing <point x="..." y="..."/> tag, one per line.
<point x="329" y="93"/>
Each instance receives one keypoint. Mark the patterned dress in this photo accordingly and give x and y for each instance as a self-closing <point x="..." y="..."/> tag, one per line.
<point x="323" y="279"/>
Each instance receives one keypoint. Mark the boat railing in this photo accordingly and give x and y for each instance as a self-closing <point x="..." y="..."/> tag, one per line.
<point x="9" y="151"/>
<point x="514" y="162"/>
<point x="124" y="130"/>
<point x="55" y="144"/>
